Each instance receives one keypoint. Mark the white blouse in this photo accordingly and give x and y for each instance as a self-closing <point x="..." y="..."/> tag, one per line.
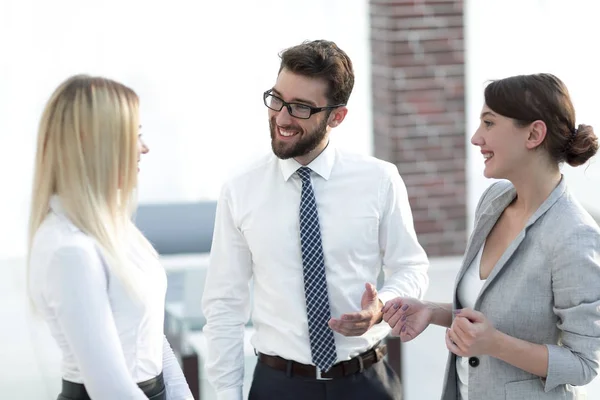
<point x="108" y="341"/>
<point x="468" y="290"/>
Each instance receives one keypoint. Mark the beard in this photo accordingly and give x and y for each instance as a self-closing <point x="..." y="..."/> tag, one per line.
<point x="304" y="144"/>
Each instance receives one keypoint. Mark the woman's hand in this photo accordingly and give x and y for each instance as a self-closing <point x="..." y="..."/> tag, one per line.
<point x="471" y="334"/>
<point x="407" y="317"/>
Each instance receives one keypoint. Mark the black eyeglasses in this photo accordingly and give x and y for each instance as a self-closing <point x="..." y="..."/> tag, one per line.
<point x="296" y="110"/>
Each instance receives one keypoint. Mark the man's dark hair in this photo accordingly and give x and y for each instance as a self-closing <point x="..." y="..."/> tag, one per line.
<point x="322" y="59"/>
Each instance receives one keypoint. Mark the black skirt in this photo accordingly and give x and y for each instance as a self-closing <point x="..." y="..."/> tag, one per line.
<point x="153" y="388"/>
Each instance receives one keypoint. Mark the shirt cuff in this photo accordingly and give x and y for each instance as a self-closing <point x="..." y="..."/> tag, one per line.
<point x="230" y="394"/>
<point x="386" y="296"/>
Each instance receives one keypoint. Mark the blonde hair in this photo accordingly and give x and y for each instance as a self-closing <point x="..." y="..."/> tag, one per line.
<point x="87" y="153"/>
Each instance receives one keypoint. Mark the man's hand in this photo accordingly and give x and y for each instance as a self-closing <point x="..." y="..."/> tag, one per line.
<point x="356" y="324"/>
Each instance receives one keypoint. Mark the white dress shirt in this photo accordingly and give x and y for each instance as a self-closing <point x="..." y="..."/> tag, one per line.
<point x="109" y="341"/>
<point x="467" y="292"/>
<point x="366" y="223"/>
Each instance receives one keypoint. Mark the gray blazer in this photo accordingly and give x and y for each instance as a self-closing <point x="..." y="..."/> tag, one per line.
<point x="544" y="289"/>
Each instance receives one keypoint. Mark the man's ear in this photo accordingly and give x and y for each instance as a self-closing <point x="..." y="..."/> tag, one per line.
<point x="337" y="116"/>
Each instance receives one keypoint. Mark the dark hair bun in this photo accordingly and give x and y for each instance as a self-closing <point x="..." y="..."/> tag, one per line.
<point x="583" y="146"/>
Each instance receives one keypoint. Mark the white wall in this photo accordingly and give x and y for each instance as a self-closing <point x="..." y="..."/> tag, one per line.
<point x="510" y="37"/>
<point x="191" y="61"/>
<point x="200" y="68"/>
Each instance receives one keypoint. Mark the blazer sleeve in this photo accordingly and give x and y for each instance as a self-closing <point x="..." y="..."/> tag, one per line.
<point x="576" y="287"/>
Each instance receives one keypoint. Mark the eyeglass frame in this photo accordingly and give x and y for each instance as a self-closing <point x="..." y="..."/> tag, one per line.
<point x="313" y="110"/>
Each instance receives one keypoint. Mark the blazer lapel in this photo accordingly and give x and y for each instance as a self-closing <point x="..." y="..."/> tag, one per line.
<point x="499" y="205"/>
<point x="484" y="224"/>
<point x="500" y="264"/>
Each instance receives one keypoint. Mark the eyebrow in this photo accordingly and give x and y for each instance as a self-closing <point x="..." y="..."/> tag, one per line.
<point x="295" y="99"/>
<point x="486" y="113"/>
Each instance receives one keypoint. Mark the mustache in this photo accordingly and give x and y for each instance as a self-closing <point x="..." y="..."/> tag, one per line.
<point x="286" y="127"/>
<point x="290" y="128"/>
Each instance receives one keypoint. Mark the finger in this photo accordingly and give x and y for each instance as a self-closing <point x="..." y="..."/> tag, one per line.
<point x="386" y="316"/>
<point x="457" y="340"/>
<point x="465" y="337"/>
<point x="405" y="332"/>
<point x="470" y="314"/>
<point x="387" y="306"/>
<point x="396" y="330"/>
<point x="464" y="328"/>
<point x="369" y="287"/>
<point x="369" y="296"/>
<point x="399" y="329"/>
<point x="451" y="346"/>
<point x="389" y="312"/>
<point x="408" y="334"/>
<point x="393" y="304"/>
<point x="394" y="317"/>
<point x="401" y="317"/>
<point x="355" y="325"/>
<point x="357" y="317"/>
<point x="336" y="326"/>
<point x="354" y="332"/>
<point x="398" y="307"/>
<point x="347" y="330"/>
<point x="345" y="326"/>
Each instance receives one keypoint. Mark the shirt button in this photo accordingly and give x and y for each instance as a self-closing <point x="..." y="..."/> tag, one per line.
<point x="473" y="361"/>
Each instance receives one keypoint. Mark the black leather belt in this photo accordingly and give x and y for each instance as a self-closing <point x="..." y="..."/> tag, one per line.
<point x="353" y="366"/>
<point x="153" y="388"/>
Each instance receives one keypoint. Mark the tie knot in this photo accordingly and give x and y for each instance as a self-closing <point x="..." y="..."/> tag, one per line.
<point x="304" y="174"/>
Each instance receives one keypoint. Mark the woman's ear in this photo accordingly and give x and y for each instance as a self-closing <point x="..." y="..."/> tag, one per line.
<point x="537" y="134"/>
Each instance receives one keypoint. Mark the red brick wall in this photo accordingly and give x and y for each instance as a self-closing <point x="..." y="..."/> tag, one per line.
<point x="417" y="49"/>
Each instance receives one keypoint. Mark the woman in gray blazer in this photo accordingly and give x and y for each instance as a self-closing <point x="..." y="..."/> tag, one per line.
<point x="525" y="319"/>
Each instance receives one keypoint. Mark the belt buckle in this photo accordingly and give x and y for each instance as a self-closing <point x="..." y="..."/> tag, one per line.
<point x="380" y="353"/>
<point x="319" y="377"/>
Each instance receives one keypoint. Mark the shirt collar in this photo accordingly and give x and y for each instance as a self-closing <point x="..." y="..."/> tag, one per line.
<point x="322" y="165"/>
<point x="56" y="205"/>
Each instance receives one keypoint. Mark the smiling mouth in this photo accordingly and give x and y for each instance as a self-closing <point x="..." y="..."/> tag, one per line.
<point x="287" y="133"/>
<point x="487" y="156"/>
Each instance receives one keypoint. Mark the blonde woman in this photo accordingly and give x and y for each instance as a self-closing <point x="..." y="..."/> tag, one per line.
<point x="93" y="276"/>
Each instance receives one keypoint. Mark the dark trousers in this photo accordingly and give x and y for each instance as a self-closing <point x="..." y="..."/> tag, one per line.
<point x="379" y="382"/>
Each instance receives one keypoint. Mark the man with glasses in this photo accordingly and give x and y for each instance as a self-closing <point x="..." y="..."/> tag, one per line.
<point x="313" y="226"/>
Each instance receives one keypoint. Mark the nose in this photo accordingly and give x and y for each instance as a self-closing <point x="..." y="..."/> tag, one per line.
<point x="143" y="147"/>
<point x="283" y="117"/>
<point x="477" y="139"/>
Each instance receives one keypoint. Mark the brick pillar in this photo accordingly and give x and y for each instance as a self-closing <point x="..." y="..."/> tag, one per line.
<point x="418" y="82"/>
